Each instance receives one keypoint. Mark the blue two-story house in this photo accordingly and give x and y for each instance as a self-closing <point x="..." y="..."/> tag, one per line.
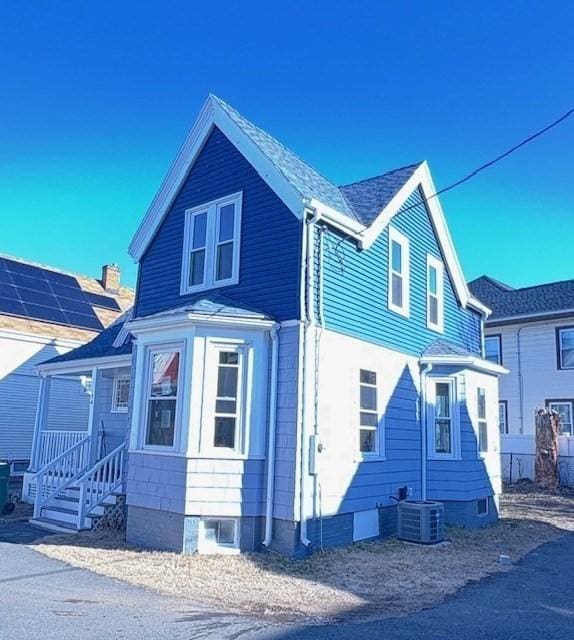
<point x="300" y="356"/>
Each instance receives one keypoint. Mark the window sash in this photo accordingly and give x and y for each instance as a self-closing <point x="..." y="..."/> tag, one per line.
<point x="566" y="351"/>
<point x="435" y="293"/>
<point x="493" y="355"/>
<point x="566" y="425"/>
<point x="502" y="417"/>
<point x="161" y="403"/>
<point x="225" y="418"/>
<point x="398" y="272"/>
<point x="443" y="442"/>
<point x="121" y="386"/>
<point x="368" y="413"/>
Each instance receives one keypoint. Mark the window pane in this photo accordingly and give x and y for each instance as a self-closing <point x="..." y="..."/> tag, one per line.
<point x="397" y="292"/>
<point x="442" y="407"/>
<point x="226" y="532"/>
<point x="161" y="422"/>
<point x="481" y="404"/>
<point x="443" y="440"/>
<point x="226" y="222"/>
<point x="396" y="257"/>
<point x="367" y="440"/>
<point x="210" y="528"/>
<point x="565" y="412"/>
<point x="432" y="281"/>
<point x="164" y="373"/>
<point x="199" y="231"/>
<point x="433" y="310"/>
<point x="225" y="406"/>
<point x="197" y="268"/>
<point x="227" y="382"/>
<point x="502" y="417"/>
<point x="482" y="437"/>
<point x="228" y="357"/>
<point x="224" y="261"/>
<point x="368" y="377"/>
<point x="567" y="338"/>
<point x="368" y="419"/>
<point x="567" y="358"/>
<point x="224" y="432"/>
<point x="368" y="398"/>
<point x="492" y="349"/>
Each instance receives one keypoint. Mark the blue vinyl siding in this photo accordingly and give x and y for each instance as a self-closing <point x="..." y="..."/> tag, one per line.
<point x="356" y="289"/>
<point x="270" y="239"/>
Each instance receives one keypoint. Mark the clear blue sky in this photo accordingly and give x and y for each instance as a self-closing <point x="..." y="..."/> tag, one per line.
<point x="96" y="97"/>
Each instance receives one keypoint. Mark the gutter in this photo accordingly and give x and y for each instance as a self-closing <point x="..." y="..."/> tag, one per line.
<point x="272" y="436"/>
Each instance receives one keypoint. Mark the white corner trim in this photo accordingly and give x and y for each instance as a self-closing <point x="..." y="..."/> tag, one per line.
<point x="211" y="115"/>
<point x="472" y="362"/>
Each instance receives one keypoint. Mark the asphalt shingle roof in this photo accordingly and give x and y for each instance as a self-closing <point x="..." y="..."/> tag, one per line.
<point x="445" y="348"/>
<point x="360" y="201"/>
<point x="506" y="302"/>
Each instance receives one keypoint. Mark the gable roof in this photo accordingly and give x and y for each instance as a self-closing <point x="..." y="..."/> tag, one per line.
<point x="539" y="300"/>
<point x="361" y="210"/>
<point x="36" y="292"/>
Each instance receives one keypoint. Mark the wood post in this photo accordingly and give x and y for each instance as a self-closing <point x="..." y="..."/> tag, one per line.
<point x="546" y="461"/>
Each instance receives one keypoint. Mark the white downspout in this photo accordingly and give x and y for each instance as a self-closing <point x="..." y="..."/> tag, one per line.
<point x="272" y="434"/>
<point x="423" y="381"/>
<point x="308" y="294"/>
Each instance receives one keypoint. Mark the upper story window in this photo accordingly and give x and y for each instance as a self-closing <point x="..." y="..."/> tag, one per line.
<point x="211" y="245"/>
<point x="435" y="294"/>
<point x="493" y="348"/>
<point x="482" y="423"/>
<point x="161" y="397"/>
<point x="399" y="276"/>
<point x="368" y="414"/>
<point x="565" y="347"/>
<point x="121" y="394"/>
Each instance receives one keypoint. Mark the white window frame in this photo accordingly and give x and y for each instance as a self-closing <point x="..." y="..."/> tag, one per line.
<point x="498" y="338"/>
<point x="379" y="452"/>
<point x="554" y="403"/>
<point x="481" y="420"/>
<point x="432" y="453"/>
<point x="560" y="331"/>
<point x="146" y="396"/>
<point x="403" y="241"/>
<point x="120" y="379"/>
<point x="212" y="210"/>
<point x="503" y="404"/>
<point x="244" y="392"/>
<point x="438" y="266"/>
<point x="206" y="547"/>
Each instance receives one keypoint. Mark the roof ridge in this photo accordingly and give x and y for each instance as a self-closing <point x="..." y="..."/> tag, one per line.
<point x="545" y="284"/>
<point x="382" y="175"/>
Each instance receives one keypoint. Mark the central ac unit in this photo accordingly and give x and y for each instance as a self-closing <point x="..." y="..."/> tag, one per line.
<point x="421" y="521"/>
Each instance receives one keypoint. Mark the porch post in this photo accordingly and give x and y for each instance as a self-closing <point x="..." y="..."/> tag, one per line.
<point x="93" y="432"/>
<point x="40" y="421"/>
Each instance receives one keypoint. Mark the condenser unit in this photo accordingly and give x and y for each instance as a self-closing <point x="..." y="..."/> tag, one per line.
<point x="421" y="521"/>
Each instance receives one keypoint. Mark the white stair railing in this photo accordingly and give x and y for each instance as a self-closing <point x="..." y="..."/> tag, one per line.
<point x="55" y="442"/>
<point x="60" y="473"/>
<point x="102" y="480"/>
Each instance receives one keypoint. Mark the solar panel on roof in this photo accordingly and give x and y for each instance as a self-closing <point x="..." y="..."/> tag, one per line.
<point x="8" y="291"/>
<point x="26" y="282"/>
<point x="12" y="307"/>
<point x="45" y="313"/>
<point x="54" y="277"/>
<point x="81" y="320"/>
<point x="103" y="301"/>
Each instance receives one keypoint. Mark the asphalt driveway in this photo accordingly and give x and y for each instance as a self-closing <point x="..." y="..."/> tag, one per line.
<point x="45" y="598"/>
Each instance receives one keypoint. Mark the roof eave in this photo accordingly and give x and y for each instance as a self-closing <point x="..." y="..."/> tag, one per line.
<point x="472" y="362"/>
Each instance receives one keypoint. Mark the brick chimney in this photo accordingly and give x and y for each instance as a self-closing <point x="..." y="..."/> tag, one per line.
<point x="111" y="277"/>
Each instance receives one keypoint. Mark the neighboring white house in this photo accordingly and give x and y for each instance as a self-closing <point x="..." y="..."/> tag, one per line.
<point x="45" y="312"/>
<point x="531" y="333"/>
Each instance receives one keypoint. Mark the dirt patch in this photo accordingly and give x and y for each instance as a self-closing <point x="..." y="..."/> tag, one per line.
<point x="21" y="513"/>
<point x="382" y="578"/>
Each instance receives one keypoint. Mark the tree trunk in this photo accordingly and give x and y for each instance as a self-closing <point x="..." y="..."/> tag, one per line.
<point x="546" y="462"/>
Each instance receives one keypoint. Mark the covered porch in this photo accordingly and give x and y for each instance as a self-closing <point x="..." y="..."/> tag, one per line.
<point x="78" y="465"/>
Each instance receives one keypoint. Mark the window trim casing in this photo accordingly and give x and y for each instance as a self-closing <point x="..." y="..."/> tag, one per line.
<point x="396" y="236"/>
<point x="379" y="453"/>
<point x="498" y="337"/>
<point x="559" y="331"/>
<point x="570" y="401"/>
<point x="150" y="349"/>
<point x="487" y="509"/>
<point x="212" y="209"/>
<point x="504" y="403"/>
<point x="432" y="454"/>
<point x="204" y="547"/>
<point x="481" y="454"/>
<point x="438" y="265"/>
<point x="117" y="378"/>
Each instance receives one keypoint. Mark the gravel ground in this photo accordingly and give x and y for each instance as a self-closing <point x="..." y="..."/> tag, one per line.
<point x="386" y="578"/>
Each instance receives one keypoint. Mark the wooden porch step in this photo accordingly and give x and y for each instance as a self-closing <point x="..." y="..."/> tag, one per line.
<point x="53" y="525"/>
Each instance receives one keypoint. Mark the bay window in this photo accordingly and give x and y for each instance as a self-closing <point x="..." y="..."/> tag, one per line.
<point x="162" y="394"/>
<point x="443" y="435"/>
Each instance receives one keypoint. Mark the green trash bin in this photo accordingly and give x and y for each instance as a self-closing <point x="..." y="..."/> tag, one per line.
<point x="4" y="475"/>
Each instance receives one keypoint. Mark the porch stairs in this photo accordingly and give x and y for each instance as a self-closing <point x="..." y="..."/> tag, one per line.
<point x="70" y="493"/>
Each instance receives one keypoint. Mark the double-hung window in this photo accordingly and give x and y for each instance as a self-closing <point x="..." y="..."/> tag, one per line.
<point x="443" y="438"/>
<point x="564" y="408"/>
<point x="493" y="348"/>
<point x="211" y="245"/>
<point x="399" y="276"/>
<point x="565" y="347"/>
<point x="368" y="414"/>
<point x="481" y="420"/>
<point x="162" y="393"/>
<point x="435" y="294"/>
<point x="503" y="416"/>
<point x="121" y="394"/>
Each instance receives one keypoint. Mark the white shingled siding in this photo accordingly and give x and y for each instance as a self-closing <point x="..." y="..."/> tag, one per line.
<point x="19" y="384"/>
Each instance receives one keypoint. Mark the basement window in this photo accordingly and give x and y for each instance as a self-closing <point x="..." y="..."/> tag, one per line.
<point x="482" y="507"/>
<point x="218" y="535"/>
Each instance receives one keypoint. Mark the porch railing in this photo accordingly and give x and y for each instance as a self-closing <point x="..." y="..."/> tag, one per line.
<point x="61" y="473"/>
<point x="54" y="443"/>
<point x="105" y="477"/>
